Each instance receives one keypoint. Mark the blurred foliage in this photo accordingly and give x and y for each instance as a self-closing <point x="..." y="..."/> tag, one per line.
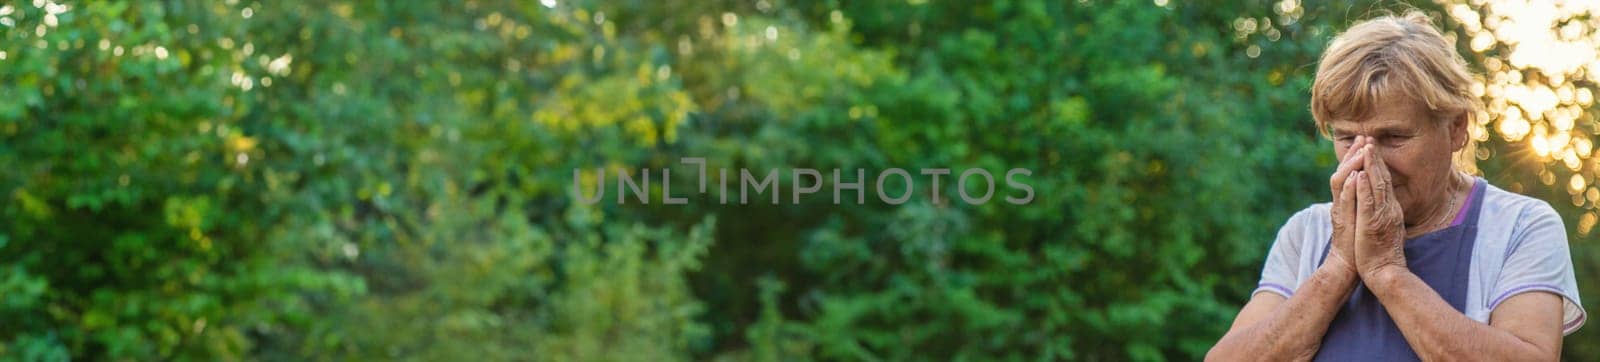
<point x="342" y="179"/>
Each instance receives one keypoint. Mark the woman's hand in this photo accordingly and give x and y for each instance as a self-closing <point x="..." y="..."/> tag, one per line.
<point x="1343" y="187"/>
<point x="1379" y="226"/>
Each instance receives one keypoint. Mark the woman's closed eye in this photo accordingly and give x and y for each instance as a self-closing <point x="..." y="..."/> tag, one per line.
<point x="1393" y="140"/>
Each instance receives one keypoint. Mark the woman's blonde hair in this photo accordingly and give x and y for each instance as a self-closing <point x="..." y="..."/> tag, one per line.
<point x="1391" y="56"/>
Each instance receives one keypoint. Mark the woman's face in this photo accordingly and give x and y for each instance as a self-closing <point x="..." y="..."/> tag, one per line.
<point x="1416" y="148"/>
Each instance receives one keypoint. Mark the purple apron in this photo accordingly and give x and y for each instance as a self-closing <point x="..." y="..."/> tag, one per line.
<point x="1363" y="331"/>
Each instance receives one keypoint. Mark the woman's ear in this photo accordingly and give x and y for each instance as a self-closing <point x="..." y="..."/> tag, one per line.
<point x="1458" y="131"/>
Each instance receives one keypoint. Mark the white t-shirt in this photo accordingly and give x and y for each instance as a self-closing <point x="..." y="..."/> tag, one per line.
<point x="1521" y="247"/>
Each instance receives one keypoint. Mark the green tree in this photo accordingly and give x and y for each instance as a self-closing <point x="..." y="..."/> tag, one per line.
<point x="352" y="179"/>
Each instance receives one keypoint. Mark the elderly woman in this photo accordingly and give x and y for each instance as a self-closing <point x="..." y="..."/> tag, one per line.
<point x="1412" y="258"/>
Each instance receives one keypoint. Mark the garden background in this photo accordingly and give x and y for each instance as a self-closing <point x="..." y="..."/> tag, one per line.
<point x="354" y="179"/>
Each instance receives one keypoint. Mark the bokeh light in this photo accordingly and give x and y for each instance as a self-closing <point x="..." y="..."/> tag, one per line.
<point x="1539" y="69"/>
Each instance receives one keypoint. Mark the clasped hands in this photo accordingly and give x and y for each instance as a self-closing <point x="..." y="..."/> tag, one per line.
<point x="1368" y="223"/>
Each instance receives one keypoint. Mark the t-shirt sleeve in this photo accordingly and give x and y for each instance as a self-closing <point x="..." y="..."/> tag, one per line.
<point x="1279" y="274"/>
<point x="1538" y="259"/>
